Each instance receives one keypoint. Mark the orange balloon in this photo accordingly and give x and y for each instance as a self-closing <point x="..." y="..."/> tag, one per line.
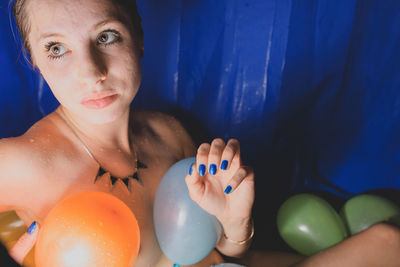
<point x="86" y="230"/>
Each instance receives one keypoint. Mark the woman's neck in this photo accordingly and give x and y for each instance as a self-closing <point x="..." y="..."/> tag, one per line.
<point x="111" y="135"/>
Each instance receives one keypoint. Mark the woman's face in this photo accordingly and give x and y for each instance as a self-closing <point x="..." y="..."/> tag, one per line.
<point x="88" y="54"/>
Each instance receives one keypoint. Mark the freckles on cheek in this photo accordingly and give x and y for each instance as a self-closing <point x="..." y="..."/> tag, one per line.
<point x="133" y="63"/>
<point x="57" y="79"/>
<point x="50" y="76"/>
<point x="127" y="66"/>
<point x="54" y="69"/>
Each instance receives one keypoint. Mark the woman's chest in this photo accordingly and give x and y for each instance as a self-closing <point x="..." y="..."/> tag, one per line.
<point x="138" y="194"/>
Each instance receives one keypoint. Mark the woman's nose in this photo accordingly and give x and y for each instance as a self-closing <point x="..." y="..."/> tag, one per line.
<point x="92" y="68"/>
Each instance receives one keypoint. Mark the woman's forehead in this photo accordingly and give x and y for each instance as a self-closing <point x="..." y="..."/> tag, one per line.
<point x="72" y="7"/>
<point x="61" y="15"/>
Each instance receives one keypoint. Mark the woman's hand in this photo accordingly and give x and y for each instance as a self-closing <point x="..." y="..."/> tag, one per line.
<point x="220" y="185"/>
<point x="24" y="243"/>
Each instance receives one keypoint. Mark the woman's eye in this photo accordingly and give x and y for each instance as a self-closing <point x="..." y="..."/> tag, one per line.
<point x="108" y="37"/>
<point x="57" y="50"/>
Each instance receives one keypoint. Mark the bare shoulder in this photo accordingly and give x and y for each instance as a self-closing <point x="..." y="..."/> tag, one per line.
<point x="24" y="159"/>
<point x="168" y="128"/>
<point x="26" y="152"/>
<point x="16" y="152"/>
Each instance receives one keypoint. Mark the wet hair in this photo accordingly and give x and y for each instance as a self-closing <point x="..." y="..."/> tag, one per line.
<point x="127" y="6"/>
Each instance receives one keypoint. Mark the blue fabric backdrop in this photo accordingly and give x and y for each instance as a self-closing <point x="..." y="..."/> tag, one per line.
<point x="311" y="88"/>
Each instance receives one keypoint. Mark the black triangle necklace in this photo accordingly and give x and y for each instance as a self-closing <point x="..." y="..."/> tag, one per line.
<point x="126" y="180"/>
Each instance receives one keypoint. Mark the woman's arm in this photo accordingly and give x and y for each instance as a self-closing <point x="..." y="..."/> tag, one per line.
<point x="377" y="246"/>
<point x="9" y="168"/>
<point x="15" y="170"/>
<point x="20" y="166"/>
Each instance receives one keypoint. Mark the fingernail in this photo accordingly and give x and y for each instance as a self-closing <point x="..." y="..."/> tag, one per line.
<point x="32" y="228"/>
<point x="228" y="189"/>
<point x="176" y="265"/>
<point x="213" y="169"/>
<point x="191" y="169"/>
<point x="202" y="169"/>
<point x="224" y="164"/>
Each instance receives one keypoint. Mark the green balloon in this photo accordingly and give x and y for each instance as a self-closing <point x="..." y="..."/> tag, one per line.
<point x="309" y="224"/>
<point x="362" y="211"/>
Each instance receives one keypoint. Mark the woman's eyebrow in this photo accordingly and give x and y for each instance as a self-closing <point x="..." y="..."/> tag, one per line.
<point x="47" y="35"/>
<point x="104" y="22"/>
<point x="95" y="26"/>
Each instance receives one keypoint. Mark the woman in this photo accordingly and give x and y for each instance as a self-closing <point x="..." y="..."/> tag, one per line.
<point x="89" y="53"/>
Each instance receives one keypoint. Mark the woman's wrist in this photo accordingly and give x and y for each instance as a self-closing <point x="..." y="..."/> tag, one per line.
<point x="238" y="231"/>
<point x="242" y="241"/>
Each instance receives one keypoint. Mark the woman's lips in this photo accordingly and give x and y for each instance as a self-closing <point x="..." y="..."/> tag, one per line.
<point x="99" y="100"/>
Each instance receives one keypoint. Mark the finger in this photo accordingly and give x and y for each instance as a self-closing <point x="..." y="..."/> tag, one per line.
<point x="202" y="158"/>
<point x="242" y="173"/>
<point x="194" y="183"/>
<point x="24" y="243"/>
<point x="214" y="157"/>
<point x="231" y="150"/>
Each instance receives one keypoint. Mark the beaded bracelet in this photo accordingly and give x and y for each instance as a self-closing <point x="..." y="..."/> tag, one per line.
<point x="243" y="241"/>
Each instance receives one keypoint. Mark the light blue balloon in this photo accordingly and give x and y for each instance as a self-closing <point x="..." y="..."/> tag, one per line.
<point x="185" y="232"/>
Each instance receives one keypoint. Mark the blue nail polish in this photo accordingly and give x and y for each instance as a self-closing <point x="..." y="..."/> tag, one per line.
<point x="32" y="228"/>
<point x="213" y="169"/>
<point x="191" y="169"/>
<point x="224" y="164"/>
<point x="202" y="169"/>
<point x="228" y="189"/>
<point x="176" y="265"/>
